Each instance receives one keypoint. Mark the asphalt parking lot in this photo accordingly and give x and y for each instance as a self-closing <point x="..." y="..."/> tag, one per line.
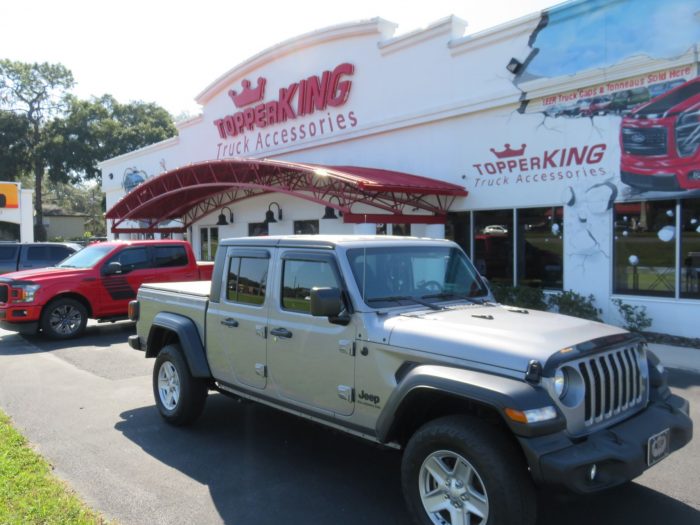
<point x="87" y="406"/>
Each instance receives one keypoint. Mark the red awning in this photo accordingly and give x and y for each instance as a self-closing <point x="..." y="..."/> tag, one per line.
<point x="189" y="193"/>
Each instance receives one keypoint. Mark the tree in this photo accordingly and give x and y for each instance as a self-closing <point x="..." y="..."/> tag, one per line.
<point x="46" y="131"/>
<point x="81" y="198"/>
<point x="15" y="150"/>
<point x="101" y="128"/>
<point x="36" y="92"/>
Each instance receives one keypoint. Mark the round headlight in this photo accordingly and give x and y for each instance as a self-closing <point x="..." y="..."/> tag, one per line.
<point x="560" y="383"/>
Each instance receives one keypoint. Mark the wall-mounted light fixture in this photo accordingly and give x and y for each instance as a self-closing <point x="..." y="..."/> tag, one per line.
<point x="330" y="211"/>
<point x="514" y="66"/>
<point x="222" y="217"/>
<point x="270" y="215"/>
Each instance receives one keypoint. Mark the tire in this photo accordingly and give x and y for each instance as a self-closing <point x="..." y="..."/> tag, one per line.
<point x="63" y="318"/>
<point x="179" y="397"/>
<point x="459" y="469"/>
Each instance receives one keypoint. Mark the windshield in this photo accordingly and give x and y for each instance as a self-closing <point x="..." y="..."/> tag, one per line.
<point x="87" y="257"/>
<point x="388" y="275"/>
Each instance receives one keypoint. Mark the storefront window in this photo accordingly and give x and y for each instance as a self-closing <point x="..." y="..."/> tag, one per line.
<point x="690" y="248"/>
<point x="9" y="231"/>
<point x="403" y="230"/>
<point x="306" y="227"/>
<point x="457" y="229"/>
<point x="540" y="247"/>
<point x="493" y="245"/>
<point x="209" y="242"/>
<point x="257" y="229"/>
<point x="645" y="248"/>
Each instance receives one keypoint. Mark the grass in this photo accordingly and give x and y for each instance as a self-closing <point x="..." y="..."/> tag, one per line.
<point x="29" y="493"/>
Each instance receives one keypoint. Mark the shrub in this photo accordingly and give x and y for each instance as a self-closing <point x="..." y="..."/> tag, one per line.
<point x="521" y="296"/>
<point x="577" y="305"/>
<point x="635" y="317"/>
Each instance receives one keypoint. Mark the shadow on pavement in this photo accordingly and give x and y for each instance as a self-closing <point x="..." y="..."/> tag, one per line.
<point x="97" y="335"/>
<point x="261" y="464"/>
<point x="683" y="378"/>
<point x="630" y="503"/>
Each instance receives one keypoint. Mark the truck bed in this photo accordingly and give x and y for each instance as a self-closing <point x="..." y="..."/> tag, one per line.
<point x="198" y="288"/>
<point x="189" y="299"/>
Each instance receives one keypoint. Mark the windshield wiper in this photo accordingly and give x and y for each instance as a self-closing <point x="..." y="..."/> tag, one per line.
<point x="397" y="298"/>
<point x="448" y="295"/>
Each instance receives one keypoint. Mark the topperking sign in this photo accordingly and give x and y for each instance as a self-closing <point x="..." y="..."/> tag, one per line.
<point x="259" y="124"/>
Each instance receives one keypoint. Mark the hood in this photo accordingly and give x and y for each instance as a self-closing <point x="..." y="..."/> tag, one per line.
<point x="499" y="336"/>
<point x="41" y="275"/>
<point x="677" y="100"/>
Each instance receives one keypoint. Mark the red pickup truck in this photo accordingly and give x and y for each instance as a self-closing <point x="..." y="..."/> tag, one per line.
<point x="661" y="141"/>
<point x="97" y="282"/>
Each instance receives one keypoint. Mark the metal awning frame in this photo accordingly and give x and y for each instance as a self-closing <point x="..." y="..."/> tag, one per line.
<point x="190" y="193"/>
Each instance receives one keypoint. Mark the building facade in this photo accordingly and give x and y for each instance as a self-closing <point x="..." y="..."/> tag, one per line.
<point x="64" y="226"/>
<point x="572" y="133"/>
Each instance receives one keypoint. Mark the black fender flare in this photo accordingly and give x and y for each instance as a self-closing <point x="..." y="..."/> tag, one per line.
<point x="190" y="342"/>
<point x="485" y="388"/>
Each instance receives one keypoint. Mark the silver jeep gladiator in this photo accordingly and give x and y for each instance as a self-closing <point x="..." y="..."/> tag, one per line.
<point x="398" y="341"/>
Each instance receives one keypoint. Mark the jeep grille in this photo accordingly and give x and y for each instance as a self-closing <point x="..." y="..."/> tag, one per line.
<point x="644" y="141"/>
<point x="615" y="385"/>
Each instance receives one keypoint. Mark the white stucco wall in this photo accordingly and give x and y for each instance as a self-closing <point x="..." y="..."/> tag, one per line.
<point x="439" y="104"/>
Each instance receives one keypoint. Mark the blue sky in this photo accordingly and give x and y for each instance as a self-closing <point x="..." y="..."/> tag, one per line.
<point x="167" y="52"/>
<point x="610" y="32"/>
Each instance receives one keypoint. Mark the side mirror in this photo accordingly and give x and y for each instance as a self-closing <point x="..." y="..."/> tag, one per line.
<point x="326" y="302"/>
<point x="113" y="268"/>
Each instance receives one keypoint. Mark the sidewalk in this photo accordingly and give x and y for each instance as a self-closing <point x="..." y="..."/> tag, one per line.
<point x="677" y="356"/>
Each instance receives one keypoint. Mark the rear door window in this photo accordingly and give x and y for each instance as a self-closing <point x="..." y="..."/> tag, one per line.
<point x="247" y="280"/>
<point x="170" y="256"/>
<point x="37" y="253"/>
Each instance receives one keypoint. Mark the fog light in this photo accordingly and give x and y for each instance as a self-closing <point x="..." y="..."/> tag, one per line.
<point x="694" y="175"/>
<point x="592" y="472"/>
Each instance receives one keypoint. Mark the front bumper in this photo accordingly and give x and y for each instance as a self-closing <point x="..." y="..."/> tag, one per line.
<point x="29" y="328"/>
<point x="21" y="318"/>
<point x="651" y="182"/>
<point x="619" y="452"/>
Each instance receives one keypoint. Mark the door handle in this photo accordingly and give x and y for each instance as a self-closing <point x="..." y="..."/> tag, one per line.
<point x="281" y="332"/>
<point x="229" y="321"/>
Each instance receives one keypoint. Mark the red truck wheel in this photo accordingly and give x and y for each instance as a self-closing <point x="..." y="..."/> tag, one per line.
<point x="63" y="318"/>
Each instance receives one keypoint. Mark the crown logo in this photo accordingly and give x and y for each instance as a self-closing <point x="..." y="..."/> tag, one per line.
<point x="508" y="152"/>
<point x="248" y="95"/>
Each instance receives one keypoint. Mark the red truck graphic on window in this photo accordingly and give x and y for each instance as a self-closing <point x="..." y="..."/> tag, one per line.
<point x="660" y="141"/>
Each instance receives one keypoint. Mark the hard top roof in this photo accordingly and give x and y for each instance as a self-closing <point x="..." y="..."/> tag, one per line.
<point x="327" y="241"/>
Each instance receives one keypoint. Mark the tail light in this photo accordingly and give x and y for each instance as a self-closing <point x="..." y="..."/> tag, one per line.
<point x="133" y="310"/>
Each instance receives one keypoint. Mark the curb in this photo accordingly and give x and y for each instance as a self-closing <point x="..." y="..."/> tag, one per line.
<point x="677" y="356"/>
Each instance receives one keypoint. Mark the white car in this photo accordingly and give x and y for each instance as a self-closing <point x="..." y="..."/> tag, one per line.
<point x="496" y="228"/>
